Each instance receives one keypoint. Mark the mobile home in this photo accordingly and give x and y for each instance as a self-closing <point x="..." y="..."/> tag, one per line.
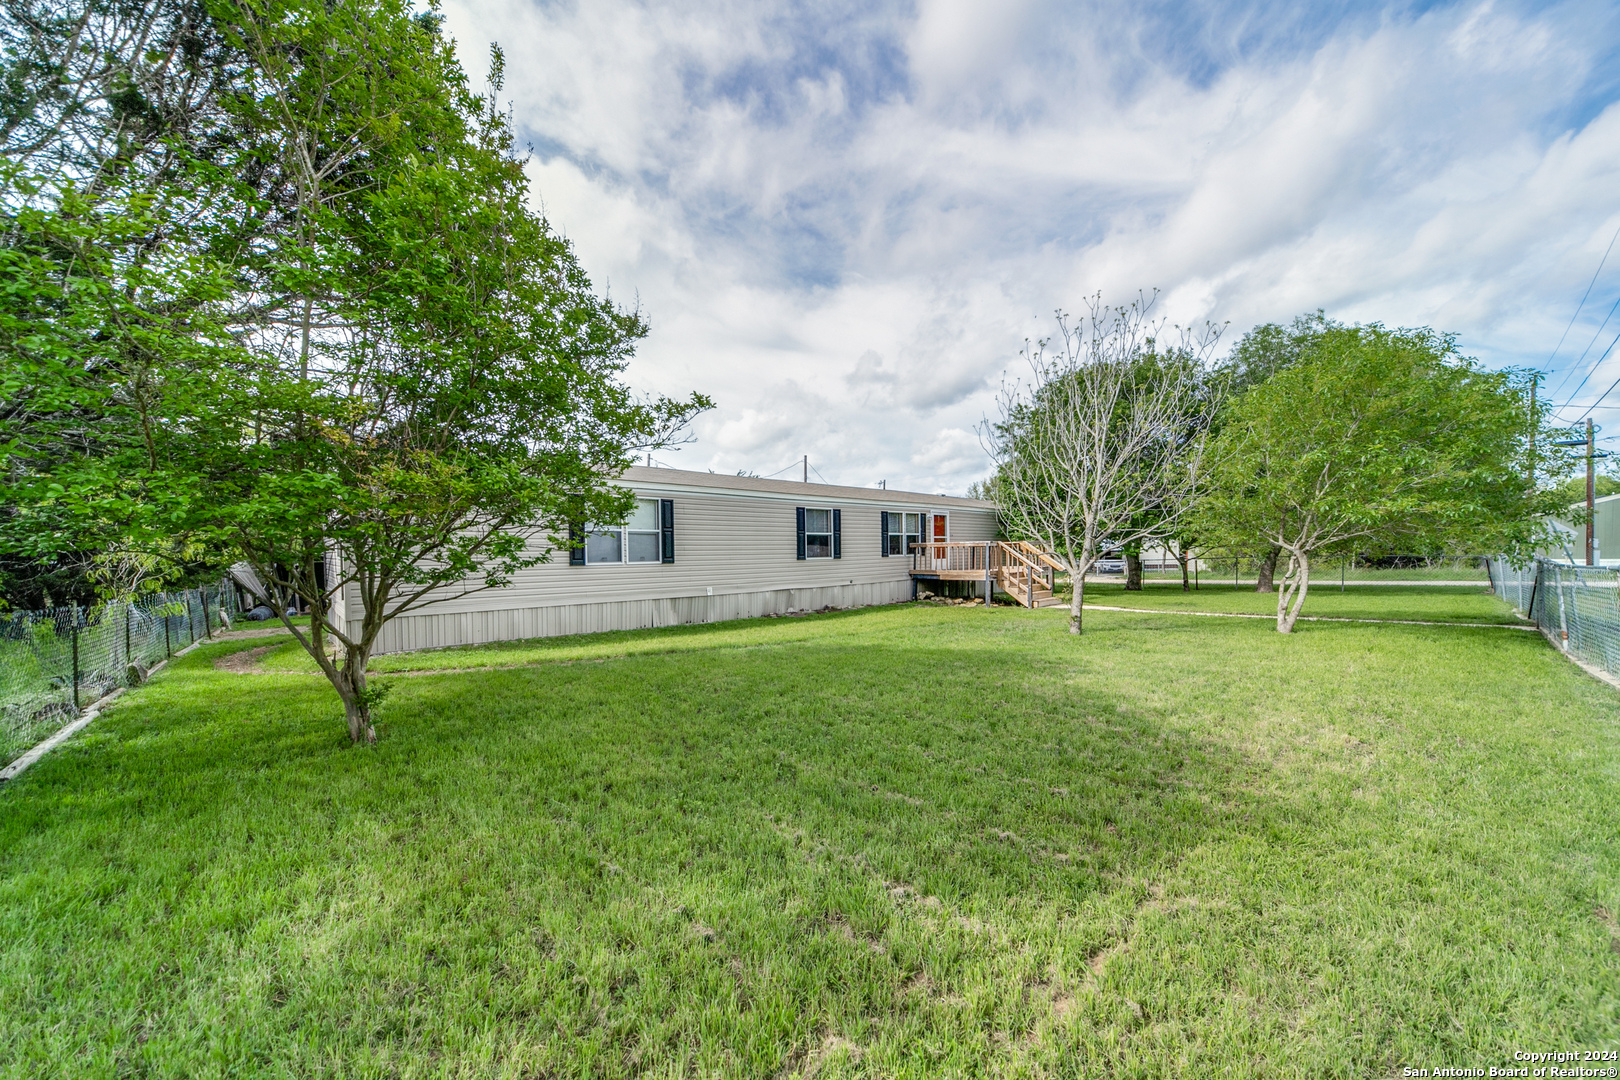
<point x="701" y="547"/>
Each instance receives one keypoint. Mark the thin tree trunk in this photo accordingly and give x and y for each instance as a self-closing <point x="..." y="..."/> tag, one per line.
<point x="1268" y="571"/>
<point x="351" y="687"/>
<point x="1291" y="597"/>
<point x="1133" y="571"/>
<point x="348" y="678"/>
<point x="1077" y="600"/>
<point x="1181" y="557"/>
<point x="1284" y="594"/>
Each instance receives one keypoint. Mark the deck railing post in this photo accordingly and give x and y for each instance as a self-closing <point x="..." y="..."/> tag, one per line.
<point x="989" y="582"/>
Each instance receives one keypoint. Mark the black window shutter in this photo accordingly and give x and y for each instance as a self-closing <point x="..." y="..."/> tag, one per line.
<point x="838" y="534"/>
<point x="801" y="531"/>
<point x="883" y="536"/>
<point x="576" y="544"/>
<point x="666" y="524"/>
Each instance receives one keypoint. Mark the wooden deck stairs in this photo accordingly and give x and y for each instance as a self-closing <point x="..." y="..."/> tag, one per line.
<point x="1018" y="568"/>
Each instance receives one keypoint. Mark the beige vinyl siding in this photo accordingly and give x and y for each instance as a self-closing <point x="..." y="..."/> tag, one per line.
<point x="735" y="557"/>
<point x="973" y="525"/>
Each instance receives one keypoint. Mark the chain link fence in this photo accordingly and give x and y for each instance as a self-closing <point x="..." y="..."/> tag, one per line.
<point x="54" y="663"/>
<point x="1577" y="606"/>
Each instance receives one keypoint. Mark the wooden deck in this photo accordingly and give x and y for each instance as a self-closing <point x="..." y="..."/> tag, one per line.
<point x="1021" y="570"/>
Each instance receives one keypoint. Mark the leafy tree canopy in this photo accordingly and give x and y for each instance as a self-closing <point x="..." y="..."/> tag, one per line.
<point x="338" y="344"/>
<point x="1379" y="438"/>
<point x="1572" y="492"/>
<point x="1269" y="348"/>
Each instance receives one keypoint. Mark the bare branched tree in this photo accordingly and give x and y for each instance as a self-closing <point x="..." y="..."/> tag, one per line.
<point x="1105" y="444"/>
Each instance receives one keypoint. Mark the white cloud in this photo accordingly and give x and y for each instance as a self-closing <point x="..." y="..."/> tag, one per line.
<point x="844" y="224"/>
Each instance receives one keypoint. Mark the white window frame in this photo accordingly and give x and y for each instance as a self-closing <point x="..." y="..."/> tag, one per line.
<point x="828" y="534"/>
<point x="624" y="532"/>
<point x="924" y="535"/>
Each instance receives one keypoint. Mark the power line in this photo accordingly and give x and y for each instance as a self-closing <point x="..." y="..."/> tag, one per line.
<point x="817" y="471"/>
<point x="1593" y="369"/>
<point x="779" y="472"/>
<point x="1605" y="393"/>
<point x="1578" y="307"/>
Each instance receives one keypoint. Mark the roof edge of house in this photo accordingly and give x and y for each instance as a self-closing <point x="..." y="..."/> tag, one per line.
<point x="689" y="478"/>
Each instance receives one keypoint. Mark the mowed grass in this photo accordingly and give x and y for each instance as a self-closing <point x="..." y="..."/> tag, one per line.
<point x="911" y="841"/>
<point x="1435" y="603"/>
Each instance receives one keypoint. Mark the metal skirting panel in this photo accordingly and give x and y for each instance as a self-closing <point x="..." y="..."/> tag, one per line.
<point x="437" y="631"/>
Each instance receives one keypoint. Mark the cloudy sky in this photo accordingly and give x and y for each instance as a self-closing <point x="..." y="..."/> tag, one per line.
<point x="844" y="221"/>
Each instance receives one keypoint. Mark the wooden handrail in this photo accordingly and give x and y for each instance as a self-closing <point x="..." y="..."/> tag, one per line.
<point x="1041" y="554"/>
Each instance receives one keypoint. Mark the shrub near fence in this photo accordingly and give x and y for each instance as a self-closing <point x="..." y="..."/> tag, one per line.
<point x="1577" y="606"/>
<point x="53" y="663"/>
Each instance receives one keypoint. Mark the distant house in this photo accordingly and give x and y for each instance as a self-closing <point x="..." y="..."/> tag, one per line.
<point x="1605" y="533"/>
<point x="701" y="547"/>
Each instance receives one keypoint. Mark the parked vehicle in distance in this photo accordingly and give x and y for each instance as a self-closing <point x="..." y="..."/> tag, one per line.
<point x="1108" y="566"/>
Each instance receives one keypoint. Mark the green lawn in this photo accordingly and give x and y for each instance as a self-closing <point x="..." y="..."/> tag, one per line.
<point x="911" y="841"/>
<point x="1329" y="571"/>
<point x="1438" y="603"/>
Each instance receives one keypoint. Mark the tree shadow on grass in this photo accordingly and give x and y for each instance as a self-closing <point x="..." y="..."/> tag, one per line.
<point x="719" y="858"/>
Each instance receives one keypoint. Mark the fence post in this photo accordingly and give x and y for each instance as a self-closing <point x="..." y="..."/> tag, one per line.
<point x="989" y="582"/>
<point x="191" y="618"/>
<point x="202" y="598"/>
<point x="168" y="649"/>
<point x="1563" y="613"/>
<point x="73" y="613"/>
<point x="129" y="615"/>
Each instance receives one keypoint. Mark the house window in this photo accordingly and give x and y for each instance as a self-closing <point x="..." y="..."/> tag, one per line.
<point x="817" y="534"/>
<point x="913" y="535"/>
<point x="906" y="531"/>
<point x="820" y="533"/>
<point x="636" y="541"/>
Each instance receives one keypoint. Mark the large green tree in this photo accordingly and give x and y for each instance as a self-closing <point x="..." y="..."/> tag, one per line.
<point x="119" y="167"/>
<point x="356" y="357"/>
<point x="1378" y="437"/>
<point x="435" y="391"/>
<point x="1257" y="356"/>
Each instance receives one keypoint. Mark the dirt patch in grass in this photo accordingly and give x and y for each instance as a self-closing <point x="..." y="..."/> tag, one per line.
<point x="257" y="632"/>
<point x="246" y="662"/>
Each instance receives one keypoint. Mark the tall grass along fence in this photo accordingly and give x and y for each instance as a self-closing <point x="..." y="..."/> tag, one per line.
<point x="1576" y="606"/>
<point x="54" y="663"/>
